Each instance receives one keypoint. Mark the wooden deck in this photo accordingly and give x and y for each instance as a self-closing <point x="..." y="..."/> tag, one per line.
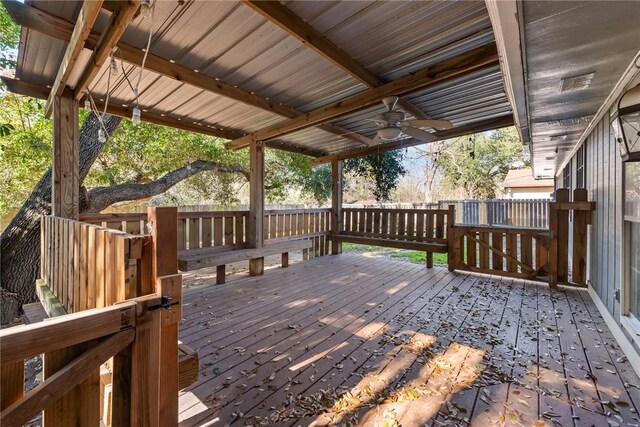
<point x="375" y="341"/>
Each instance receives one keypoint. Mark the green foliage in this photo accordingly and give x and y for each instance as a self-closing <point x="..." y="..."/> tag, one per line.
<point x="383" y="169"/>
<point x="478" y="163"/>
<point x="25" y="148"/>
<point x="9" y="38"/>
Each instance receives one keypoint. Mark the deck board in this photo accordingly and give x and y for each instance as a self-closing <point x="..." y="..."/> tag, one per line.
<point x="372" y="340"/>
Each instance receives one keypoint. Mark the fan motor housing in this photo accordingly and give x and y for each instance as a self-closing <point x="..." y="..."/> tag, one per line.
<point x="393" y="116"/>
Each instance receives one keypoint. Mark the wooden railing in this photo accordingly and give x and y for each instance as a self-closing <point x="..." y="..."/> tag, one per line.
<point x="419" y="225"/>
<point x="505" y="251"/>
<point x="229" y="228"/>
<point x="529" y="253"/>
<point x="86" y="266"/>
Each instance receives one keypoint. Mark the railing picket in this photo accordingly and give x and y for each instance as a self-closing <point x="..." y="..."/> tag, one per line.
<point x="228" y="230"/>
<point x="193" y="233"/>
<point x="497" y="259"/>
<point x="182" y="230"/>
<point x="484" y="251"/>
<point x="526" y="249"/>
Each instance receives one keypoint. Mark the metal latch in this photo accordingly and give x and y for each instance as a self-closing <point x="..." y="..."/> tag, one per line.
<point x="165" y="302"/>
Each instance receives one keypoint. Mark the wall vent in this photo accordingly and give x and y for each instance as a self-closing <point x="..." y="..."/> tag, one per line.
<point x="571" y="84"/>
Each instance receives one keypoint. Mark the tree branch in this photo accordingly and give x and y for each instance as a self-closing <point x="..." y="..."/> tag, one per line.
<point x="103" y="197"/>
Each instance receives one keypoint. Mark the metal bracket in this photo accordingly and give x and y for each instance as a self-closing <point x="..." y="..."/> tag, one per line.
<point x="165" y="302"/>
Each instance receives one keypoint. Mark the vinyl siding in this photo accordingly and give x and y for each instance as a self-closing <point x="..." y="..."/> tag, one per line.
<point x="604" y="183"/>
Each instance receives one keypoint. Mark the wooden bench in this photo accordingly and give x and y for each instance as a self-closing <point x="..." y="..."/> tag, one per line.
<point x="428" y="245"/>
<point x="193" y="259"/>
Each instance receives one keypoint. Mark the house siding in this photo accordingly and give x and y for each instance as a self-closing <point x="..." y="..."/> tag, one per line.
<point x="604" y="182"/>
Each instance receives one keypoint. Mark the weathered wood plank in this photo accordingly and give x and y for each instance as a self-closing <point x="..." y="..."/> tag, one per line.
<point x="65" y="331"/>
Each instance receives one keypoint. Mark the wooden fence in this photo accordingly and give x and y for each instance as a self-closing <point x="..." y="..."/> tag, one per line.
<point x="529" y="213"/>
<point x="229" y="228"/>
<point x="133" y="283"/>
<point x="529" y="253"/>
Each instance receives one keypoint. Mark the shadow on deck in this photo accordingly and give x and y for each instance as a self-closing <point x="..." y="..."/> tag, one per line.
<point x="354" y="340"/>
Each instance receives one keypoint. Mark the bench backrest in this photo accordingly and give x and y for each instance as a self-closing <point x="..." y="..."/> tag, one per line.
<point x="418" y="225"/>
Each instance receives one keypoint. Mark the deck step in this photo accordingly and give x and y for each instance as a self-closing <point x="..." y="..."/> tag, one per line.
<point x="33" y="313"/>
<point x="188" y="366"/>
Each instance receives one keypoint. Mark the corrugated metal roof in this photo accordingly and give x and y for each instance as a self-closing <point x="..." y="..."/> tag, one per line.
<point x="232" y="42"/>
<point x="565" y="39"/>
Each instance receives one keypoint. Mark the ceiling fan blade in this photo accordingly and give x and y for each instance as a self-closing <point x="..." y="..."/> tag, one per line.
<point x="419" y="134"/>
<point x="429" y="123"/>
<point x="375" y="140"/>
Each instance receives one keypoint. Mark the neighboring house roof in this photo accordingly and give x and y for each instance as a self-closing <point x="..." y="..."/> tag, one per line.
<point x="519" y="178"/>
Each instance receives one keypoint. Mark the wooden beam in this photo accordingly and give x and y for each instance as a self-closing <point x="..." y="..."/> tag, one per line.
<point x="284" y="18"/>
<point x="87" y="16"/>
<point x="336" y="204"/>
<point x="449" y="69"/>
<point x="45" y="23"/>
<point x="481" y="126"/>
<point x="65" y="185"/>
<point x="116" y="26"/>
<point x="65" y="331"/>
<point x="255" y="237"/>
<point x="291" y="23"/>
<point x="58" y="384"/>
<point x="505" y="20"/>
<point x="39" y="91"/>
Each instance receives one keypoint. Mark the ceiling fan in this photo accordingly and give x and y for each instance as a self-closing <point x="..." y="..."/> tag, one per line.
<point x="393" y="124"/>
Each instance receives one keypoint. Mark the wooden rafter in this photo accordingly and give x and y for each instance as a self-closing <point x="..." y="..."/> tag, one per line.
<point x="291" y="23"/>
<point x="51" y="25"/>
<point x="118" y="23"/>
<point x="22" y="87"/>
<point x="480" y="126"/>
<point x="449" y="69"/>
<point x="87" y="16"/>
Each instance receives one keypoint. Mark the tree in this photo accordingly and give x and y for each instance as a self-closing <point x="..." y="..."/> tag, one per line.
<point x="9" y="37"/>
<point x="20" y="241"/>
<point x="431" y="155"/>
<point x="478" y="163"/>
<point x="382" y="170"/>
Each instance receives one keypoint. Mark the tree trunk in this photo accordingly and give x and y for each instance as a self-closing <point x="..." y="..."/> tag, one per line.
<point x="20" y="246"/>
<point x="20" y="250"/>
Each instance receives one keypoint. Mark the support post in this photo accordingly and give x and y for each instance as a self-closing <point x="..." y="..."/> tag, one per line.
<point x="453" y="243"/>
<point x="164" y="226"/>
<point x="65" y="188"/>
<point x="336" y="204"/>
<point x="558" y="245"/>
<point x="256" y="205"/>
<point x="580" y="222"/>
<point x="154" y="353"/>
<point x="562" y="216"/>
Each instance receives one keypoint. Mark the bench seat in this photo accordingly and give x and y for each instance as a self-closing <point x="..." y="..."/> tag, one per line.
<point x="193" y="259"/>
